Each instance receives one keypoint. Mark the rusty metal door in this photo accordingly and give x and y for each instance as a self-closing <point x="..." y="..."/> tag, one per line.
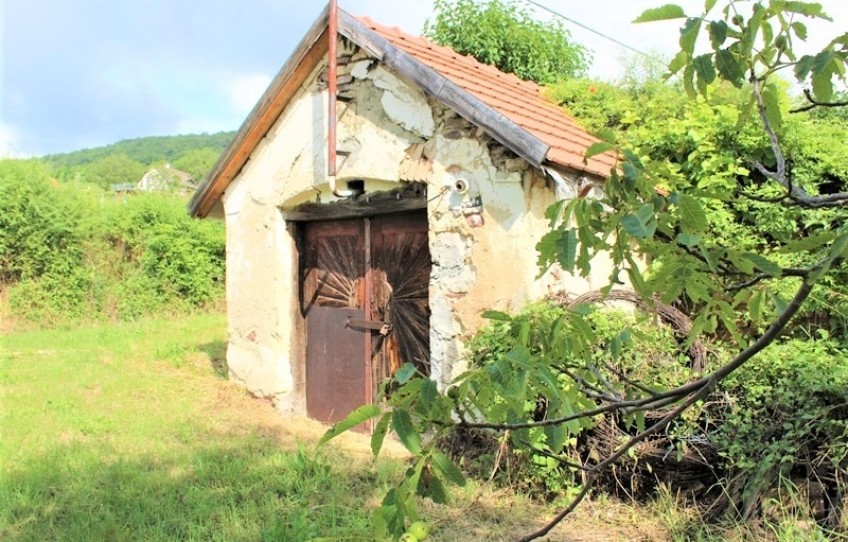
<point x="365" y="287"/>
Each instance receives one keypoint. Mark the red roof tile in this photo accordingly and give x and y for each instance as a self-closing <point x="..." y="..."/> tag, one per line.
<point x="520" y="101"/>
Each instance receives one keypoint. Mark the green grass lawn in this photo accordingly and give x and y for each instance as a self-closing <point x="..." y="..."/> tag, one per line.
<point x="130" y="432"/>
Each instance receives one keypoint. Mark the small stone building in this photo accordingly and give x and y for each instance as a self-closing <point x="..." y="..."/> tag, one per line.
<point x="445" y="167"/>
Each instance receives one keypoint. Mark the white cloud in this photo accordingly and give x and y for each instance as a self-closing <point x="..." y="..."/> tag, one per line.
<point x="244" y="91"/>
<point x="9" y="140"/>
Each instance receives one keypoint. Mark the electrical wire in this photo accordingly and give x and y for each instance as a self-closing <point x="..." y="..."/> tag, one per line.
<point x="583" y="26"/>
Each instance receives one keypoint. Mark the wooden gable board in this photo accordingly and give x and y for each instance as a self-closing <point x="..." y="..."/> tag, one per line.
<point x="307" y="55"/>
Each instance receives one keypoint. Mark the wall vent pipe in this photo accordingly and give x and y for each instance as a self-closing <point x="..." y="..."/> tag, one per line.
<point x="332" y="91"/>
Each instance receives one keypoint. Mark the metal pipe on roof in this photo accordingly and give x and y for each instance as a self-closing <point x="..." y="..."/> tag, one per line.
<point x="332" y="90"/>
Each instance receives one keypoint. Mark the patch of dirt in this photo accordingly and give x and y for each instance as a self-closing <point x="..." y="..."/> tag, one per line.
<point x="236" y="412"/>
<point x="497" y="515"/>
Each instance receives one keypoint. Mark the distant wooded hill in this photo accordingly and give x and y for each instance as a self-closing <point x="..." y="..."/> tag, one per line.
<point x="126" y="161"/>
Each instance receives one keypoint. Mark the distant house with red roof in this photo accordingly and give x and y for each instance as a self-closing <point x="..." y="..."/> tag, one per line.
<point x="444" y="168"/>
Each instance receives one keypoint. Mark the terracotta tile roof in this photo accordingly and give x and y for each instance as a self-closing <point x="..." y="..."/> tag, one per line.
<point x="520" y="101"/>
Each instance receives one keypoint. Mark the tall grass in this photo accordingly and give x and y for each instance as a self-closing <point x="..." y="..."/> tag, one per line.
<point x="128" y="432"/>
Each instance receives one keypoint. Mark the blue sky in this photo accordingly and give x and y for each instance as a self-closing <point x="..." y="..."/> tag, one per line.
<point x="83" y="73"/>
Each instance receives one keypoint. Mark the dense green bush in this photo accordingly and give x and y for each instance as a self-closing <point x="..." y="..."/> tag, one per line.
<point x="72" y="250"/>
<point x="646" y="352"/>
<point x="710" y="144"/>
<point x="504" y="34"/>
<point x="783" y="417"/>
<point x="38" y="228"/>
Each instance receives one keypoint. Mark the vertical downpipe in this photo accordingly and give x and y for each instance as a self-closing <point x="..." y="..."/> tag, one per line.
<point x="332" y="90"/>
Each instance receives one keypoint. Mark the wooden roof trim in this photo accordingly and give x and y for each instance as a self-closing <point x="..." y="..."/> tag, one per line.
<point x="265" y="113"/>
<point x="306" y="56"/>
<point x="432" y="83"/>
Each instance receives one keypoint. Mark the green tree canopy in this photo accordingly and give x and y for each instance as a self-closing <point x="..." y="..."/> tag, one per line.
<point x="502" y="34"/>
<point x="113" y="169"/>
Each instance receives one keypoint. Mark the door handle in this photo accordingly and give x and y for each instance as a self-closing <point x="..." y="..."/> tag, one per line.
<point x="384" y="328"/>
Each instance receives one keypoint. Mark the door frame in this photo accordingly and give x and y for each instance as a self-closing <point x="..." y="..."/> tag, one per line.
<point x="407" y="198"/>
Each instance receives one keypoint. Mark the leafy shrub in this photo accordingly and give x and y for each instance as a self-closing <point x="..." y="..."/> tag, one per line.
<point x="778" y="420"/>
<point x="38" y="229"/>
<point x="167" y="259"/>
<point x="784" y="416"/>
<point x="623" y="343"/>
<point x="709" y="144"/>
<point x="502" y="34"/>
<point x="113" y="169"/>
<point x="71" y="250"/>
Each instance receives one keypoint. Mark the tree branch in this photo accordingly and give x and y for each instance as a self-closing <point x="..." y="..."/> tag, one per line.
<point x="813" y="103"/>
<point x="695" y="391"/>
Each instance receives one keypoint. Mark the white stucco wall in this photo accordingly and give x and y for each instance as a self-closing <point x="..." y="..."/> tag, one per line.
<point x="482" y="258"/>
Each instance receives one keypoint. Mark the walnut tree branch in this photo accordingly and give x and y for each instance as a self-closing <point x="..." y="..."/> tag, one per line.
<point x="696" y="390"/>
<point x="813" y="103"/>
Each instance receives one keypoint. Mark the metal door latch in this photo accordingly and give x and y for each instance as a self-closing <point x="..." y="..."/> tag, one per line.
<point x="383" y="328"/>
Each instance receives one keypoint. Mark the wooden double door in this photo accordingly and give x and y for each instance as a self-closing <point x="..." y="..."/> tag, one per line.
<point x="364" y="294"/>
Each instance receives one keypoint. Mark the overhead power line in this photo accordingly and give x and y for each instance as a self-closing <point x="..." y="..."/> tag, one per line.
<point x="583" y="26"/>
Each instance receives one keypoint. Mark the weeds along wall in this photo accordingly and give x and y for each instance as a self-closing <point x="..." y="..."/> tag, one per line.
<point x="72" y="251"/>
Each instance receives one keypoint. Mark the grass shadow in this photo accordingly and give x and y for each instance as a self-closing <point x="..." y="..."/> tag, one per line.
<point x="242" y="490"/>
<point x="216" y="351"/>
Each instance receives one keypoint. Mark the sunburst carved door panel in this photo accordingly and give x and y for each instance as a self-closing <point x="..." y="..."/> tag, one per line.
<point x="365" y="289"/>
<point x="333" y="290"/>
<point x="401" y="277"/>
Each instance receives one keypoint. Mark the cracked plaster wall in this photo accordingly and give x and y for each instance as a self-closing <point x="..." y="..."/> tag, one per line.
<point x="388" y="132"/>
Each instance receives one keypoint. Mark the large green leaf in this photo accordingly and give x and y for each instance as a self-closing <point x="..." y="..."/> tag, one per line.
<point x="567" y="250"/>
<point x="680" y="60"/>
<point x="804" y="66"/>
<point x="822" y="86"/>
<point x="771" y="99"/>
<point x="359" y="415"/>
<point x="429" y="394"/>
<point x="555" y="437"/>
<point x="730" y="66"/>
<point x="689" y="34"/>
<point x="718" y="33"/>
<point x="390" y="516"/>
<point x="764" y="264"/>
<point x="547" y="248"/>
<point x="379" y="434"/>
<point x="740" y="262"/>
<point x="809" y="243"/>
<point x="810" y="9"/>
<point x="448" y="469"/>
<point x="704" y="68"/>
<point x="430" y="486"/>
<point x="598" y="148"/>
<point x="554" y="212"/>
<point x="823" y="68"/>
<point x="641" y="224"/>
<point x="497" y="316"/>
<point x="693" y="219"/>
<point x="402" y="425"/>
<point x="662" y="13"/>
<point x="689" y="239"/>
<point x="405" y="373"/>
<point x="800" y="30"/>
